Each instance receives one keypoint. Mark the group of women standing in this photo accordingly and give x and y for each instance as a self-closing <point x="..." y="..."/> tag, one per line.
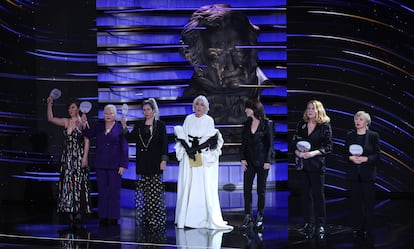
<point x="363" y="149"/>
<point x="198" y="147"/>
<point x="110" y="163"/>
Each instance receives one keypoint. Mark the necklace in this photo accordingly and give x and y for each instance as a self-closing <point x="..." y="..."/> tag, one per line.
<point x="142" y="141"/>
<point x="107" y="130"/>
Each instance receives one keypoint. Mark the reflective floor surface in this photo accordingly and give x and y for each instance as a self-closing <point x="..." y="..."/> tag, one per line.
<point x="37" y="226"/>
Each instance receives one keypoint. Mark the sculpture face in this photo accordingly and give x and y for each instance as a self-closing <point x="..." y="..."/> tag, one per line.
<point x="227" y="64"/>
<point x="220" y="47"/>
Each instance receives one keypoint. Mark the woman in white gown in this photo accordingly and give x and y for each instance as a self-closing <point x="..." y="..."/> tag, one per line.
<point x="198" y="149"/>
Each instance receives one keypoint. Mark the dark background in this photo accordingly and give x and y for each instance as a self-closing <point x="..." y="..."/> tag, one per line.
<point x="356" y="55"/>
<point x="43" y="45"/>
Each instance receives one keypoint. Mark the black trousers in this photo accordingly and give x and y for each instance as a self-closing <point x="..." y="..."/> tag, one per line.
<point x="362" y="204"/>
<point x="248" y="179"/>
<point x="313" y="197"/>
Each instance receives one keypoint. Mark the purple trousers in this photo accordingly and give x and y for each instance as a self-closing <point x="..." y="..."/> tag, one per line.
<point x="109" y="190"/>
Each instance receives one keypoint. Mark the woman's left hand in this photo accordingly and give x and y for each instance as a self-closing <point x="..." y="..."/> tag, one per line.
<point x="309" y="154"/>
<point x="267" y="166"/>
<point x="121" y="170"/>
<point x="358" y="159"/>
<point x="163" y="165"/>
<point x="84" y="162"/>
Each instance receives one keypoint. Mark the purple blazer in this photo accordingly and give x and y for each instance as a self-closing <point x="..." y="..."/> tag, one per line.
<point x="111" y="149"/>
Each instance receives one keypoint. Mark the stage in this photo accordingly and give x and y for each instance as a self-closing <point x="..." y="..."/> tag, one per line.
<point x="38" y="226"/>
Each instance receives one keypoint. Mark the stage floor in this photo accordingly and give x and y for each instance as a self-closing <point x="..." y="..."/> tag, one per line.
<point x="25" y="226"/>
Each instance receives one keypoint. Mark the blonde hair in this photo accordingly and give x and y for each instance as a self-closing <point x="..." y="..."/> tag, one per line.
<point x="321" y="116"/>
<point x="365" y="115"/>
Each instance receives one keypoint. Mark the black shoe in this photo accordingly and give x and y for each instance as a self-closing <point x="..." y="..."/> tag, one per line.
<point x="307" y="228"/>
<point x="367" y="234"/>
<point x="77" y="221"/>
<point x="260" y="237"/>
<point x="259" y="222"/>
<point x="112" y="221"/>
<point x="355" y="233"/>
<point x="321" y="232"/>
<point x="247" y="222"/>
<point x="103" y="221"/>
<point x="358" y="232"/>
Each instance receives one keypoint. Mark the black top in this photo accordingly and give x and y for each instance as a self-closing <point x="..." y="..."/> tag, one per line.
<point x="151" y="146"/>
<point x="366" y="171"/>
<point x="320" y="139"/>
<point x="257" y="148"/>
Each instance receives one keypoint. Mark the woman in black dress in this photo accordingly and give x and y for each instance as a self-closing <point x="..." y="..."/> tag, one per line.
<point x="74" y="185"/>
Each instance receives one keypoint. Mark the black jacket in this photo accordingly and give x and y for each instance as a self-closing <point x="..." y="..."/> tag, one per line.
<point x="320" y="139"/>
<point x="257" y="148"/>
<point x="148" y="159"/>
<point x="367" y="171"/>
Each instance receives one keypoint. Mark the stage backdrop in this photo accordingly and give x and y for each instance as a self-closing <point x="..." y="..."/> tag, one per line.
<point x="356" y="55"/>
<point x="142" y="54"/>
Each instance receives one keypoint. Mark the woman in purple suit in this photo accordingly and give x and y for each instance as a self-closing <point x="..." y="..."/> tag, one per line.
<point x="110" y="163"/>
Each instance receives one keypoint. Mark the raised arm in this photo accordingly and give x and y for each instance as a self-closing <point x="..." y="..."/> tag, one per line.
<point x="51" y="118"/>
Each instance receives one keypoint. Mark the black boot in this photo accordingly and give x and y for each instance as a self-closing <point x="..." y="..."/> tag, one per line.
<point x="247" y="222"/>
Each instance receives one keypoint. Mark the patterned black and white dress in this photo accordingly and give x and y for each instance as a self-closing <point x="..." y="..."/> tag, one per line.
<point x="74" y="185"/>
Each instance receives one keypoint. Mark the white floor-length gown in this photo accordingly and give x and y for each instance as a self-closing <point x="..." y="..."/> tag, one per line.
<point x="198" y="204"/>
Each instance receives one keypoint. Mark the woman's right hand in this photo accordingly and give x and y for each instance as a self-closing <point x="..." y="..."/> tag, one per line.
<point x="84" y="121"/>
<point x="124" y="122"/>
<point x="244" y="164"/>
<point x="84" y="118"/>
<point x="50" y="100"/>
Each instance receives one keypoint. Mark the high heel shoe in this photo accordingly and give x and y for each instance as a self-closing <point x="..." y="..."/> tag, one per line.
<point x="247" y="222"/>
<point x="77" y="219"/>
<point x="307" y="228"/>
<point x="321" y="232"/>
<point x="259" y="222"/>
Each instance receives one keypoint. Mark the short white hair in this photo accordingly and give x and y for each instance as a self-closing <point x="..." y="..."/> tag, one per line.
<point x="205" y="102"/>
<point x="111" y="106"/>
<point x="365" y="115"/>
